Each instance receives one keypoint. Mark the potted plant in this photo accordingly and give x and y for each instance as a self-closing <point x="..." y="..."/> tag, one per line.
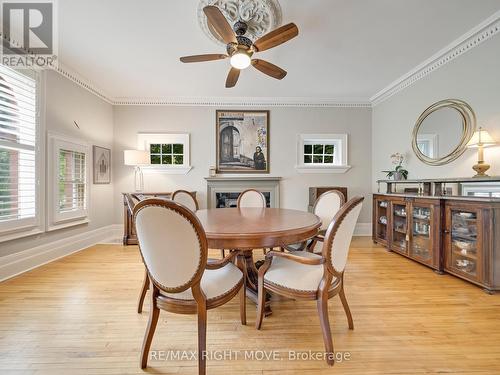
<point x="399" y="173"/>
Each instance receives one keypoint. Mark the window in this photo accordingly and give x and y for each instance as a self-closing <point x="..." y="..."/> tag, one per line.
<point x="70" y="174"/>
<point x="319" y="153"/>
<point x="169" y="152"/>
<point x="322" y="153"/>
<point x="19" y="176"/>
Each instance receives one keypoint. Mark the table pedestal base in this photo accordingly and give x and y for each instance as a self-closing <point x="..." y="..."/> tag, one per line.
<point x="252" y="279"/>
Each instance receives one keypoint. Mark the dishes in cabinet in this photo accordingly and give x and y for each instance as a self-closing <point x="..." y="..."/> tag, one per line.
<point x="383" y="204"/>
<point x="383" y="220"/>
<point x="421" y="213"/>
<point x="421" y="228"/>
<point x="466" y="215"/>
<point x="465" y="265"/>
<point x="400" y="212"/>
<point x="465" y="245"/>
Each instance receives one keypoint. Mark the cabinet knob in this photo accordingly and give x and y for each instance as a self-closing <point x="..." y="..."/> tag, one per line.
<point x="446" y="231"/>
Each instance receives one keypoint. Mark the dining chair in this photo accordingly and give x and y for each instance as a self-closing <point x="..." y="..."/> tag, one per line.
<point x="251" y="198"/>
<point x="311" y="276"/>
<point x="174" y="249"/>
<point x="325" y="206"/>
<point x="187" y="199"/>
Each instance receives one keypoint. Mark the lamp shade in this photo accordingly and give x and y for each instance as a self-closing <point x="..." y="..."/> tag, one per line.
<point x="136" y="157"/>
<point x="481" y="138"/>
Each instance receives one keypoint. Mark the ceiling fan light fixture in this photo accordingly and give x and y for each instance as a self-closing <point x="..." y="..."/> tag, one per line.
<point x="240" y="60"/>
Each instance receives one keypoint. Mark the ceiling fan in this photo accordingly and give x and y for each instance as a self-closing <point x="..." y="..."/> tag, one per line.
<point x="240" y="49"/>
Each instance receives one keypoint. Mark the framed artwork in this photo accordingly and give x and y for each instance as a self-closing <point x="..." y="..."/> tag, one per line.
<point x="102" y="165"/>
<point x="242" y="141"/>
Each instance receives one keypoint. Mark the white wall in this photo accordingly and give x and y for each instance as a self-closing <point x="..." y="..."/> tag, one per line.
<point x="66" y="102"/>
<point x="473" y="77"/>
<point x="285" y="124"/>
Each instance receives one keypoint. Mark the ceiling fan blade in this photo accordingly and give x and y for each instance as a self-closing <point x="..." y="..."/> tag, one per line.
<point x="232" y="77"/>
<point x="201" y="58"/>
<point x="269" y="69"/>
<point x="276" y="37"/>
<point x="220" y="24"/>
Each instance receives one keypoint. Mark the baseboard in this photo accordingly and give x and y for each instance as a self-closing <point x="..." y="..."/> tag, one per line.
<point x="363" y="230"/>
<point x="15" y="264"/>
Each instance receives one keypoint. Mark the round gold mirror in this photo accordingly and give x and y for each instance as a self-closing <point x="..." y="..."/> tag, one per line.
<point x="442" y="131"/>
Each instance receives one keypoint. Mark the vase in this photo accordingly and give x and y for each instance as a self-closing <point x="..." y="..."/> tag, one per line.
<point x="398" y="176"/>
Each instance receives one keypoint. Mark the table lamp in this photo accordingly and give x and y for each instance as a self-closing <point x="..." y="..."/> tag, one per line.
<point x="137" y="158"/>
<point x="480" y="140"/>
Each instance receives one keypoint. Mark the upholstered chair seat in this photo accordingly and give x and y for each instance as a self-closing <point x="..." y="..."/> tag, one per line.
<point x="214" y="283"/>
<point x="293" y="275"/>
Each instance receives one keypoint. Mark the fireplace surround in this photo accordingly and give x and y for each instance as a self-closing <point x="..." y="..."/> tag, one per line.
<point x="224" y="191"/>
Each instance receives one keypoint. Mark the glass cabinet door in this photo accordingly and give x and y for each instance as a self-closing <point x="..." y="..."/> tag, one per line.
<point x="463" y="243"/>
<point x="421" y="244"/>
<point x="382" y="208"/>
<point x="399" y="227"/>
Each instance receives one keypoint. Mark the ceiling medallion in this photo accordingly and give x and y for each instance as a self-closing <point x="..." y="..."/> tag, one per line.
<point x="261" y="16"/>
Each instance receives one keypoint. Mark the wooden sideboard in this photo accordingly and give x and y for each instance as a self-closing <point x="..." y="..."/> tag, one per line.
<point x="456" y="235"/>
<point x="129" y="201"/>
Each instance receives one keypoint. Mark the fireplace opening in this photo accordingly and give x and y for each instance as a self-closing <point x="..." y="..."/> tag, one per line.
<point x="228" y="200"/>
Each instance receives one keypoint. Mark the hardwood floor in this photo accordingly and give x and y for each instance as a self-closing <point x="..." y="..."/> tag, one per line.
<point x="78" y="316"/>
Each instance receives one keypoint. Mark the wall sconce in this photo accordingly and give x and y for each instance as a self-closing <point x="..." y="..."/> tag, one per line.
<point x="480" y="140"/>
<point x="137" y="158"/>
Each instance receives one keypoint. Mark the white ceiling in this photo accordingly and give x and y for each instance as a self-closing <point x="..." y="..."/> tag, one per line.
<point x="346" y="50"/>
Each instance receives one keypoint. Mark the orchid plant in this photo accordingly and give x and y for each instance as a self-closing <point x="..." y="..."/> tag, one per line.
<point x="399" y="172"/>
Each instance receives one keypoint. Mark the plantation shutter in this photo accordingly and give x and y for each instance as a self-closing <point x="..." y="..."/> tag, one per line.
<point x="18" y="177"/>
<point x="72" y="181"/>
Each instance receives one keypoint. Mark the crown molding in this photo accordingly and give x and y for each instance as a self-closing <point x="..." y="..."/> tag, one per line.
<point x="75" y="77"/>
<point x="473" y="38"/>
<point x="245" y="102"/>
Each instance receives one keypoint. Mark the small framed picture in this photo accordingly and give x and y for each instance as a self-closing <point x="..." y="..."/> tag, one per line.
<point x="242" y="141"/>
<point x="102" y="165"/>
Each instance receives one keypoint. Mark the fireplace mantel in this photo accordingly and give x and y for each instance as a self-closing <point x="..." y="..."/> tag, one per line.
<point x="233" y="184"/>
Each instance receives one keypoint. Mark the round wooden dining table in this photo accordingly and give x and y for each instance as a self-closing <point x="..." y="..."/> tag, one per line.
<point x="246" y="229"/>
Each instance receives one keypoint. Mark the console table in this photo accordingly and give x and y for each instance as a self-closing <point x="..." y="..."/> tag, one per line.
<point x="456" y="234"/>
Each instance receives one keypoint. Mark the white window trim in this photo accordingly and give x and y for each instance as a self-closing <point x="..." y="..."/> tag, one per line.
<point x="36" y="226"/>
<point x="55" y="220"/>
<point x="343" y="167"/>
<point x="145" y="139"/>
<point x="433" y="141"/>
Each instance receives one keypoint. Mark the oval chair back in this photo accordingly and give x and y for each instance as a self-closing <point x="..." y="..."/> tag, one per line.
<point x="327" y="205"/>
<point x="252" y="198"/>
<point x="186" y="198"/>
<point x="339" y="235"/>
<point x="172" y="243"/>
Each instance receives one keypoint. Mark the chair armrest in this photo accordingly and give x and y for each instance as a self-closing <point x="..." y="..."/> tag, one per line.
<point x="295" y="258"/>
<point x="215" y="264"/>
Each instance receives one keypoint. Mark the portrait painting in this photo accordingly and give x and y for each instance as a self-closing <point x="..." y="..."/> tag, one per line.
<point x="242" y="141"/>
